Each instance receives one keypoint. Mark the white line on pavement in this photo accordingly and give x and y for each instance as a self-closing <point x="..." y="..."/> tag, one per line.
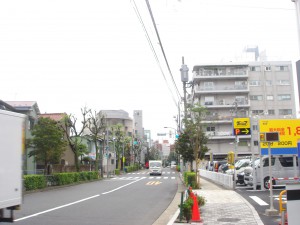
<point x="258" y="200"/>
<point x="104" y="193"/>
<point x="59" y="207"/>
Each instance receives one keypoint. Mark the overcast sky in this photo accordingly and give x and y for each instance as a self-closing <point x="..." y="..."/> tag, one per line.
<point x="67" y="54"/>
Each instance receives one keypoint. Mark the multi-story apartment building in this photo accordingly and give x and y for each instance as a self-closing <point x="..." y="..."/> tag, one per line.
<point x="236" y="90"/>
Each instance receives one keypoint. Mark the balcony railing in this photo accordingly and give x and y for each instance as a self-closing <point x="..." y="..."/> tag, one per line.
<point x="213" y="73"/>
<point x="222" y="89"/>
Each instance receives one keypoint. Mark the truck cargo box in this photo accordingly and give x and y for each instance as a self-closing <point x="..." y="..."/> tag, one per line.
<point x="12" y="146"/>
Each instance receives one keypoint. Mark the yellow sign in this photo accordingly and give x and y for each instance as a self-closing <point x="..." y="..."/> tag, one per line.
<point x="241" y="123"/>
<point x="289" y="132"/>
<point x="153" y="183"/>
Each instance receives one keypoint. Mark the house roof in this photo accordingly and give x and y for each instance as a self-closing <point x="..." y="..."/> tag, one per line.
<point x="53" y="116"/>
<point x="6" y="106"/>
<point x="24" y="105"/>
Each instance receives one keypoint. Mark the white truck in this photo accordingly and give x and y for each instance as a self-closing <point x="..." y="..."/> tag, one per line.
<point x="12" y="147"/>
<point x="155" y="167"/>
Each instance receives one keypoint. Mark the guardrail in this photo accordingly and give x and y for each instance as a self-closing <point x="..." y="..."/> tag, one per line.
<point x="219" y="178"/>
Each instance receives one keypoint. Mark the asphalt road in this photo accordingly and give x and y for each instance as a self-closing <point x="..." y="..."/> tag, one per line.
<point x="260" y="200"/>
<point x="130" y="199"/>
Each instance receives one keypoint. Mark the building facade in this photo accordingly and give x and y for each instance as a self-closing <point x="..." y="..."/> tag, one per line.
<point x="251" y="90"/>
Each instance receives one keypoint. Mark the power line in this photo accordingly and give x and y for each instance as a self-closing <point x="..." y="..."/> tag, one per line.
<point x="152" y="49"/>
<point x="154" y="52"/>
<point x="161" y="46"/>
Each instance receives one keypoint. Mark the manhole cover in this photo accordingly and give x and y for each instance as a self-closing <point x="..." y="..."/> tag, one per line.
<point x="229" y="219"/>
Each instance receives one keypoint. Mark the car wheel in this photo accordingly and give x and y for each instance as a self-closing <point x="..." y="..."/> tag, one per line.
<point x="266" y="182"/>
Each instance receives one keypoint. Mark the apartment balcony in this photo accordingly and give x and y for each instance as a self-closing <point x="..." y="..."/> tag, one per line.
<point x="214" y="135"/>
<point x="217" y="119"/>
<point x="213" y="75"/>
<point x="223" y="135"/>
<point x="234" y="89"/>
<point x="222" y="104"/>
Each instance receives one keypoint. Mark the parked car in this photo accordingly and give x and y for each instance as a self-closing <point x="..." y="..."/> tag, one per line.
<point x="282" y="168"/>
<point x="240" y="166"/>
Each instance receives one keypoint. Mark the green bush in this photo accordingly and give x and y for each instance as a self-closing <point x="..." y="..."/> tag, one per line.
<point x="129" y="169"/>
<point x="201" y="200"/>
<point x="33" y="182"/>
<point x="117" y="171"/>
<point x="187" y="208"/>
<point x="190" y="179"/>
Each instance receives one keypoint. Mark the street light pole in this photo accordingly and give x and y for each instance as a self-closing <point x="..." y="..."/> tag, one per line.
<point x="297" y="6"/>
<point x="184" y="78"/>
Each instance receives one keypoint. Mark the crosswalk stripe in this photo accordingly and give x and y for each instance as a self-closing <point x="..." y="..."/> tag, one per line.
<point x="258" y="200"/>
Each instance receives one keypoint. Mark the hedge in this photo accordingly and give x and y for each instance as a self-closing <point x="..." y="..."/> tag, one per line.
<point x="190" y="179"/>
<point x="33" y="182"/>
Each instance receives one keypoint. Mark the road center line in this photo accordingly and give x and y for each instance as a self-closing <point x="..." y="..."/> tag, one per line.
<point x="59" y="207"/>
<point x="258" y="200"/>
<point x="104" y="193"/>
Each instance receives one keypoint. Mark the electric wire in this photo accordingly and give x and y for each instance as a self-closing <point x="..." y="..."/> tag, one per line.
<point x="161" y="45"/>
<point x="153" y="50"/>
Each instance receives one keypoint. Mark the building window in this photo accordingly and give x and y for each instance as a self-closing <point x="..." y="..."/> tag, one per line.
<point x="257" y="112"/>
<point x="208" y="100"/>
<point x="254" y="127"/>
<point x="284" y="112"/>
<point x="271" y="112"/>
<point x="268" y="68"/>
<point x="256" y="97"/>
<point x="243" y="143"/>
<point x="270" y="97"/>
<point x="210" y="129"/>
<point x="254" y="68"/>
<point x="254" y="83"/>
<point x="285" y="97"/>
<point x="281" y="68"/>
<point x="208" y="85"/>
<point x="268" y="83"/>
<point x="255" y="143"/>
<point x="283" y="82"/>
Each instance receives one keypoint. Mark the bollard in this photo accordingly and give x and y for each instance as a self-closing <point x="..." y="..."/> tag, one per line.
<point x="181" y="202"/>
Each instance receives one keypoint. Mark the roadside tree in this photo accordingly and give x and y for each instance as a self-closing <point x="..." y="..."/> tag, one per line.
<point x="73" y="133"/>
<point x="48" y="142"/>
<point x="97" y="126"/>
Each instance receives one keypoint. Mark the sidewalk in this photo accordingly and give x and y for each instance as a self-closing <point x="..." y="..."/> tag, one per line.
<point x="222" y="207"/>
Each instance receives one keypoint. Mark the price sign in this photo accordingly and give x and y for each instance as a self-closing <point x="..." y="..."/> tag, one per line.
<point x="289" y="132"/>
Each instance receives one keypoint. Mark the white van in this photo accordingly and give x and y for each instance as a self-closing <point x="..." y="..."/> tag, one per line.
<point x="155" y="167"/>
<point x="283" y="171"/>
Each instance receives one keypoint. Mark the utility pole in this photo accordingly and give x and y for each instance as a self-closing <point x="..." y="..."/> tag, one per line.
<point x="297" y="6"/>
<point x="184" y="78"/>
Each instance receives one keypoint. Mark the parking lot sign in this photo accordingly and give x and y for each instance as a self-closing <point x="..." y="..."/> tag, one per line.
<point x="289" y="132"/>
<point x="241" y="126"/>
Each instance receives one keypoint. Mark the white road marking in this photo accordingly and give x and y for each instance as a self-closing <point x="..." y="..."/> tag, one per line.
<point x="104" y="193"/>
<point x="73" y="203"/>
<point x="258" y="200"/>
<point x="59" y="207"/>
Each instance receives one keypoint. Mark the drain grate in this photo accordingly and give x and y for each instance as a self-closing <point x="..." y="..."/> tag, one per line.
<point x="229" y="219"/>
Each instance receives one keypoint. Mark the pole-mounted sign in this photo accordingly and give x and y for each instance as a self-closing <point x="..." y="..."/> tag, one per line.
<point x="241" y="126"/>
